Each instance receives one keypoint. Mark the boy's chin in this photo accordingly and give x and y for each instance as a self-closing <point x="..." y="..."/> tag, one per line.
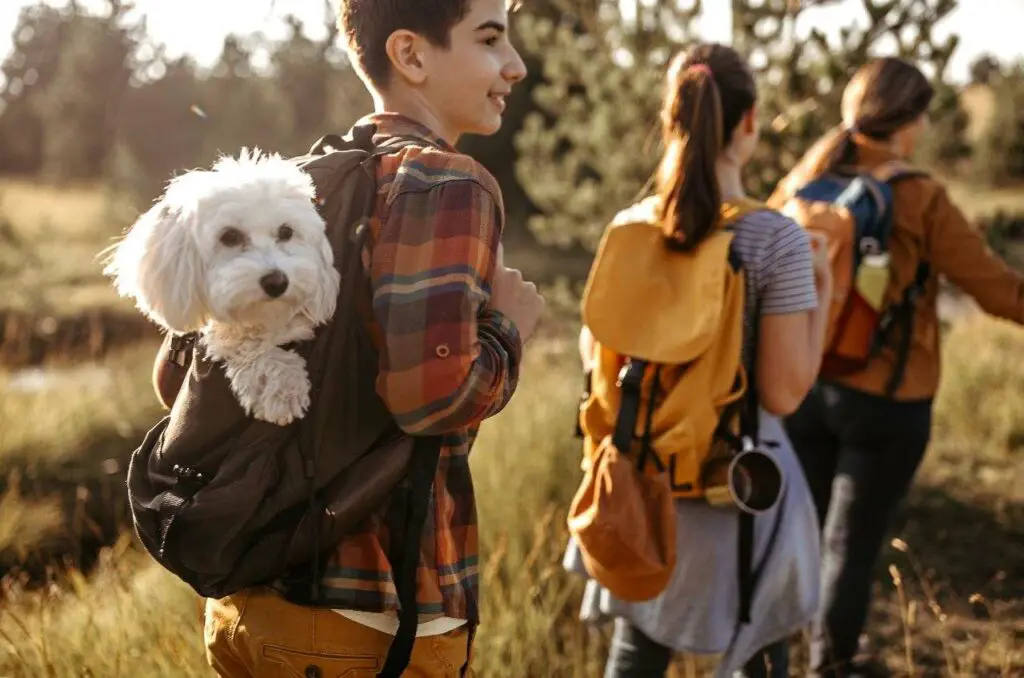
<point x="485" y="126"/>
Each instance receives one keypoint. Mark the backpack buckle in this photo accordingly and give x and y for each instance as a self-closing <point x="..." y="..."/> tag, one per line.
<point x="869" y="245"/>
<point x="179" y="345"/>
<point x="191" y="478"/>
<point x="631" y="375"/>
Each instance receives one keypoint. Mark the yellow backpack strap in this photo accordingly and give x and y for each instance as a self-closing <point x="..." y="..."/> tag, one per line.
<point x="734" y="210"/>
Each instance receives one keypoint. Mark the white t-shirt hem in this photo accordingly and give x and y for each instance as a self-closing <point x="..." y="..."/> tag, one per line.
<point x="388" y="623"/>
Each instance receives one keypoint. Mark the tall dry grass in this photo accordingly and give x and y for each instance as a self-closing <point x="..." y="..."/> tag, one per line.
<point x="132" y="618"/>
<point x="49" y="242"/>
<point x="947" y="600"/>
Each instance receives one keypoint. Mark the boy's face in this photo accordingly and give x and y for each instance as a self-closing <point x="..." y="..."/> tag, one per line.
<point x="466" y="84"/>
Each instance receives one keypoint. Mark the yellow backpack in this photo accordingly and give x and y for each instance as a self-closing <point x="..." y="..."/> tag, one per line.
<point x="668" y="326"/>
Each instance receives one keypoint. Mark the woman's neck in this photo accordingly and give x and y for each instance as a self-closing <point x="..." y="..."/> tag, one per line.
<point x="730" y="180"/>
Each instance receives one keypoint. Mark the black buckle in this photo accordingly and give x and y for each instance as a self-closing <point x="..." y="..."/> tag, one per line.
<point x="189" y="477"/>
<point x="631" y="376"/>
<point x="180" y="343"/>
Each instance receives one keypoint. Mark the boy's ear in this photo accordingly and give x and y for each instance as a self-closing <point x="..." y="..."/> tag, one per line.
<point x="750" y="120"/>
<point x="405" y="50"/>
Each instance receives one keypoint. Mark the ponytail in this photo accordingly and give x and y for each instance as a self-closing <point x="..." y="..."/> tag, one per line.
<point x="690" y="197"/>
<point x="881" y="97"/>
<point x="835" y="149"/>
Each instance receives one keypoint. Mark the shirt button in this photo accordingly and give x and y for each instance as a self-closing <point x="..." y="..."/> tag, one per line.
<point x="313" y="671"/>
<point x="443" y="351"/>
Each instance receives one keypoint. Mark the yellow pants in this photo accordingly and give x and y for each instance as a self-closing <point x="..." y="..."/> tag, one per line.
<point x="257" y="634"/>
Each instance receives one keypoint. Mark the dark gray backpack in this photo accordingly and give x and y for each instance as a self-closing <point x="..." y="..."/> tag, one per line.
<point x="227" y="502"/>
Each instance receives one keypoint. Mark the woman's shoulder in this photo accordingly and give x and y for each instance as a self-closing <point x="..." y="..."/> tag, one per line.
<point x="768" y="224"/>
<point x="916" y="184"/>
<point x="921" y="201"/>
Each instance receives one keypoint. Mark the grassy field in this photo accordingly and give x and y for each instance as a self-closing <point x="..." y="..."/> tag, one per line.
<point x="77" y="598"/>
<point x="956" y="610"/>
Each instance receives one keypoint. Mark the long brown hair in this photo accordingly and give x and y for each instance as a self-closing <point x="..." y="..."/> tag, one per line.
<point x="883" y="96"/>
<point x="707" y="92"/>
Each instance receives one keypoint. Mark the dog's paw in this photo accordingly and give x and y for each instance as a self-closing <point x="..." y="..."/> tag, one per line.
<point x="272" y="386"/>
<point x="285" y="394"/>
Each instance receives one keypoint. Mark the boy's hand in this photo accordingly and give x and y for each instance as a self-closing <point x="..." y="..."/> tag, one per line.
<point x="516" y="298"/>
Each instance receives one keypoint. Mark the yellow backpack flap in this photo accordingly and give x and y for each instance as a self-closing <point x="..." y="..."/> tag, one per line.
<point x="682" y="314"/>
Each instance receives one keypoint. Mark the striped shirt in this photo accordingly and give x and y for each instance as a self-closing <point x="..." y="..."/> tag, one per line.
<point x="777" y="263"/>
<point x="447" y="360"/>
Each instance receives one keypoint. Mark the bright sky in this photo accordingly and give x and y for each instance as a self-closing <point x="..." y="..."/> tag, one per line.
<point x="198" y="27"/>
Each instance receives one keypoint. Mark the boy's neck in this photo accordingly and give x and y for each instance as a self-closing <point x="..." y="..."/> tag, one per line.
<point x="414" y="108"/>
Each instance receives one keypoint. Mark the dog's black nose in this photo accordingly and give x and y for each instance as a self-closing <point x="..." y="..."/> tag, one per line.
<point x="274" y="284"/>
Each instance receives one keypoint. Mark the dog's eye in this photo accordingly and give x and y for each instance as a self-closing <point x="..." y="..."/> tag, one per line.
<point x="232" y="237"/>
<point x="285" y="233"/>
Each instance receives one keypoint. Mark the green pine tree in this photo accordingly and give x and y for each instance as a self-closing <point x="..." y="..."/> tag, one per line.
<point x="593" y="145"/>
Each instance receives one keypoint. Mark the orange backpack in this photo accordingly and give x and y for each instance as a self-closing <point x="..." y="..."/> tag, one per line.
<point x="667" y="390"/>
<point x="855" y="214"/>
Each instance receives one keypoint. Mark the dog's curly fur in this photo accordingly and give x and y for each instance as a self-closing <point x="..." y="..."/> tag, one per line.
<point x="239" y="254"/>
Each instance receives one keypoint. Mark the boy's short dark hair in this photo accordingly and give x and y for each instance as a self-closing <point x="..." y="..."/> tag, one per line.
<point x="367" y="25"/>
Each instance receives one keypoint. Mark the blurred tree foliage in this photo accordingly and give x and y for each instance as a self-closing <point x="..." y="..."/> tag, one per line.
<point x="999" y="156"/>
<point x="593" y="144"/>
<point x="89" y="96"/>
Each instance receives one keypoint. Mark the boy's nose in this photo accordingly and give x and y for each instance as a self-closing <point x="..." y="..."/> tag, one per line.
<point x="515" y="69"/>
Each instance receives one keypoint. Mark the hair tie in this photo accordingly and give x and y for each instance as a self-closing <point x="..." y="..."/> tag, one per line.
<point x="702" y="68"/>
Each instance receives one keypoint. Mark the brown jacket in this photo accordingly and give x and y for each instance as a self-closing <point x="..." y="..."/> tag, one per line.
<point x="928" y="226"/>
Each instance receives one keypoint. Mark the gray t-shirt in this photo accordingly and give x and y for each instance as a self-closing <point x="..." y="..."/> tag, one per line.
<point x="698" y="611"/>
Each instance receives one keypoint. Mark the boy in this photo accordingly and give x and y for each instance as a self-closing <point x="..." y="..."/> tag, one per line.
<point x="450" y="321"/>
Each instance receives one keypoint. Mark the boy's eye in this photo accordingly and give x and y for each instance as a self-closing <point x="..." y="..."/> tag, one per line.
<point x="491" y="41"/>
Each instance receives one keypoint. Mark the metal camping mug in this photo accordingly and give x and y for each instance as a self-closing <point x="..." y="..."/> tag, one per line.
<point x="750" y="480"/>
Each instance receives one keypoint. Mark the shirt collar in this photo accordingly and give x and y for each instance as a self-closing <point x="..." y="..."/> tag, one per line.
<point x="398" y="125"/>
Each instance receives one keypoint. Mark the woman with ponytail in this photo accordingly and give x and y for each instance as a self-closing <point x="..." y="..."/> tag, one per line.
<point x="859" y="437"/>
<point x="709" y="132"/>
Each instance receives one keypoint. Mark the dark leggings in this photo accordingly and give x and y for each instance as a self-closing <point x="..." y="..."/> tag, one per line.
<point x="634" y="655"/>
<point x="860" y="453"/>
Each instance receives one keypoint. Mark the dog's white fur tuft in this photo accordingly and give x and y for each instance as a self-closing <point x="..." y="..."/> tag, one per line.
<point x="200" y="260"/>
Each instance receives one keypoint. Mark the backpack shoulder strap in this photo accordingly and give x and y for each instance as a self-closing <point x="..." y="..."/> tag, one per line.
<point x="734" y="210"/>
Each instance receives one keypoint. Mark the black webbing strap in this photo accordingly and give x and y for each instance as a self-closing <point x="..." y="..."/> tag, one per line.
<point x="903" y="315"/>
<point x="631" y="379"/>
<point x="405" y="552"/>
<point x="750" y="423"/>
<point x="646" y="451"/>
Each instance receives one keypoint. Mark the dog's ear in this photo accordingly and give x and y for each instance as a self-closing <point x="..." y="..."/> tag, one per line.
<point x="158" y="264"/>
<point x="322" y="302"/>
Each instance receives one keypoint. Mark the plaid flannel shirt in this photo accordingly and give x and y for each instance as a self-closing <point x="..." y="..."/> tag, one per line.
<point x="447" y="361"/>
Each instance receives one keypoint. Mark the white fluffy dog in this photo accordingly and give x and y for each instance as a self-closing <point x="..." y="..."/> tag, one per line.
<point x="239" y="254"/>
